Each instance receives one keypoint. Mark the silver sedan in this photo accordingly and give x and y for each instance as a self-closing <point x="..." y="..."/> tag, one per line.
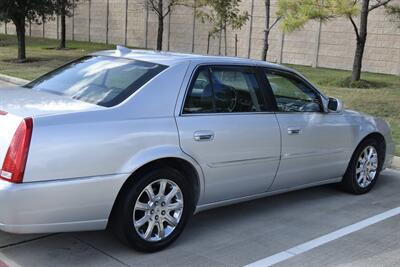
<point x="138" y="141"/>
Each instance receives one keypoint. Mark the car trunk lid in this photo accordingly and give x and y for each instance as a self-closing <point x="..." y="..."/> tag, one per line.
<point x="25" y="102"/>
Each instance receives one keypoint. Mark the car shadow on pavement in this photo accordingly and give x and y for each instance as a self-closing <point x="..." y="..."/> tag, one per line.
<point x="228" y="236"/>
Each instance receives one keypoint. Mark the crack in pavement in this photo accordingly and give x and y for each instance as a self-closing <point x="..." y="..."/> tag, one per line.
<point x="27" y="241"/>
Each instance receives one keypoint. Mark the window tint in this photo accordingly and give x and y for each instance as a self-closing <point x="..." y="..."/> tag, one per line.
<point x="200" y="97"/>
<point x="225" y="89"/>
<point x="104" y="81"/>
<point x="292" y="94"/>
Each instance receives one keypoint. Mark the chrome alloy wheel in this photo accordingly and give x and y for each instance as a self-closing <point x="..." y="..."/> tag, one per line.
<point x="158" y="210"/>
<point x="367" y="166"/>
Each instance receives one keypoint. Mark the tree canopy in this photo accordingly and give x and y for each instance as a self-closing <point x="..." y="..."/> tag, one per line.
<point x="20" y="11"/>
<point x="222" y="13"/>
<point x="296" y="13"/>
<point x="31" y="10"/>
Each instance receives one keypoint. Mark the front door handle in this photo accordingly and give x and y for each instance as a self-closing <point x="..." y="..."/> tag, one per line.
<point x="293" y="130"/>
<point x="203" y="136"/>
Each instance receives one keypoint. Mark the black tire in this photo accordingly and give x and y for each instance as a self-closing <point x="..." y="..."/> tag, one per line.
<point x="122" y="222"/>
<point x="349" y="182"/>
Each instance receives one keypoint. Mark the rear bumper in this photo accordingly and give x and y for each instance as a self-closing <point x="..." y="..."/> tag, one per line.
<point x="58" y="206"/>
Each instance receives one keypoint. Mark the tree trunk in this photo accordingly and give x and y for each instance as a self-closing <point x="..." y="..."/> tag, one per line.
<point x="208" y="43"/>
<point x="63" y="30"/>
<point x="361" y="40"/>
<point x="160" y="26"/>
<point x="266" y="31"/>
<point x="20" y="29"/>
<point x="226" y="42"/>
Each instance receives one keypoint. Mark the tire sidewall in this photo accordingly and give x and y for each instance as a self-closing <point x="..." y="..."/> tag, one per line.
<point x="351" y="172"/>
<point x="125" y="214"/>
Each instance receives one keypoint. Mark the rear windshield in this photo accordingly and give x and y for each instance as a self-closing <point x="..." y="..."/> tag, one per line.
<point x="100" y="80"/>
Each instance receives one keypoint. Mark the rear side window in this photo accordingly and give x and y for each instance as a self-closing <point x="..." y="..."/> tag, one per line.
<point x="200" y="98"/>
<point x="100" y="80"/>
<point x="224" y="90"/>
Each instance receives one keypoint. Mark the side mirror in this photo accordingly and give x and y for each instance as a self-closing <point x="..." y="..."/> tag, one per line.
<point x="335" y="105"/>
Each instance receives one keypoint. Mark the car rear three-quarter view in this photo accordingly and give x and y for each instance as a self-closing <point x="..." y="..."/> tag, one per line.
<point x="138" y="141"/>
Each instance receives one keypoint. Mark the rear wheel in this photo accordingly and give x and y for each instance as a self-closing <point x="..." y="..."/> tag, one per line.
<point x="153" y="211"/>
<point x="364" y="168"/>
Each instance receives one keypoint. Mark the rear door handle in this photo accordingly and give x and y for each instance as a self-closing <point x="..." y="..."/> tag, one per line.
<point x="203" y="136"/>
<point x="293" y="130"/>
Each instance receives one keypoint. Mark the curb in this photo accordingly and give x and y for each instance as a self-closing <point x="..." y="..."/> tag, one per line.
<point x="13" y="80"/>
<point x="396" y="163"/>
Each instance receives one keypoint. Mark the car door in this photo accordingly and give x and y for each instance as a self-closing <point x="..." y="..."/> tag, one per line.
<point x="315" y="144"/>
<point x="227" y="126"/>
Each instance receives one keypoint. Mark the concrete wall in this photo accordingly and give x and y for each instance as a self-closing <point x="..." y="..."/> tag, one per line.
<point x="325" y="45"/>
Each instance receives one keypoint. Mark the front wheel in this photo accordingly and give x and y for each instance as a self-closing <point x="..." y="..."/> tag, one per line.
<point x="364" y="168"/>
<point x="152" y="213"/>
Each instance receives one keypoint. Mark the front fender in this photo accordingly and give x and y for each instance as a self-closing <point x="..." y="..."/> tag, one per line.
<point x="368" y="125"/>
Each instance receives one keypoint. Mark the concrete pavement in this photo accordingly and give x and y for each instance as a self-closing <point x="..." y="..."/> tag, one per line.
<point x="241" y="234"/>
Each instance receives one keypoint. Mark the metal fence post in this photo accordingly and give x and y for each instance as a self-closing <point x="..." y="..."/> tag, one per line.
<point x="169" y="31"/>
<point x="58" y="27"/>
<point x="251" y="28"/>
<point x="398" y="65"/>
<point x="126" y="22"/>
<point x="194" y="24"/>
<point x="73" y="20"/>
<point x="89" y="19"/>
<point x="107" y="17"/>
<point x="220" y="42"/>
<point x="5" y="28"/>
<point x="146" y="23"/>
<point x="317" y="45"/>
<point x="282" y="41"/>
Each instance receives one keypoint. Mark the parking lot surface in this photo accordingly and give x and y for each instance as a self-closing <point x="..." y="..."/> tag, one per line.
<point x="242" y="234"/>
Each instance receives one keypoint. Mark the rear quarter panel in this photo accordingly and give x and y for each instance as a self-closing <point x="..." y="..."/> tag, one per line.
<point x="80" y="146"/>
<point x="110" y="141"/>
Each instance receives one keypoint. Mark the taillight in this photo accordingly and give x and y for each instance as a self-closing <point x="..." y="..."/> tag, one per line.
<point x="3" y="113"/>
<point x="15" y="161"/>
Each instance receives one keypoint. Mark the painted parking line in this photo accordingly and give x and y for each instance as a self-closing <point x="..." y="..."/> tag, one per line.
<point x="297" y="250"/>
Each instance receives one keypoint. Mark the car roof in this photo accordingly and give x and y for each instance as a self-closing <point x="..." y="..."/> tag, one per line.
<point x="172" y="58"/>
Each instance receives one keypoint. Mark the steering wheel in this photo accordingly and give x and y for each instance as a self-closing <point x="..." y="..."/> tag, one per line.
<point x="233" y="101"/>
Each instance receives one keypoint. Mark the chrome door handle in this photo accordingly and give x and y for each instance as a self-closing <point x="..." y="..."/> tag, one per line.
<point x="291" y="130"/>
<point x="203" y="135"/>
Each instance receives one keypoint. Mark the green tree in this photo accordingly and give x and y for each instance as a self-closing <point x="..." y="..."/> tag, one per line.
<point x="20" y="11"/>
<point x="64" y="8"/>
<point x="268" y="28"/>
<point x="162" y="8"/>
<point x="394" y="10"/>
<point x="296" y="13"/>
<point x="222" y="14"/>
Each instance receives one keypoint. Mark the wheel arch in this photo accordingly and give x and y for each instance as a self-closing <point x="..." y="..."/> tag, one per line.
<point x="184" y="166"/>
<point x="381" y="140"/>
<point x="377" y="136"/>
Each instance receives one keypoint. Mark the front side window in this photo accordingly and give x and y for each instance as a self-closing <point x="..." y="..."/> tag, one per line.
<point x="224" y="90"/>
<point x="100" y="80"/>
<point x="292" y="94"/>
